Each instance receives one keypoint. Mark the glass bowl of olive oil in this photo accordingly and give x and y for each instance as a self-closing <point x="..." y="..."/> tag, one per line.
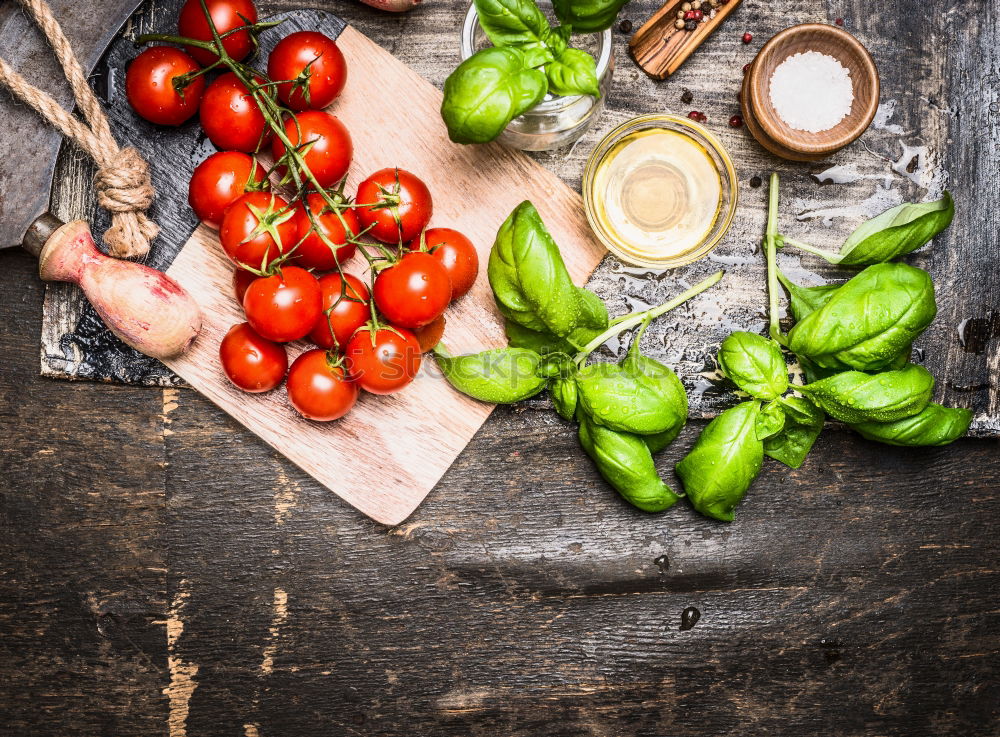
<point x="660" y="191"/>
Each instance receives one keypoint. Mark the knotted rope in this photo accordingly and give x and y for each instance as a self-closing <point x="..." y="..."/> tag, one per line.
<point x="122" y="181"/>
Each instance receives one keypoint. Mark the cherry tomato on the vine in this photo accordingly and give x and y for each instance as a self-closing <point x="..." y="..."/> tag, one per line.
<point x="319" y="389"/>
<point x="456" y="253"/>
<point x="345" y="309"/>
<point x="231" y="117"/>
<point x="329" y="156"/>
<point x="383" y="361"/>
<point x="315" y="65"/>
<point x="252" y="362"/>
<point x="284" y="306"/>
<point x="414" y="291"/>
<point x="220" y="180"/>
<point x="149" y="85"/>
<point x="257" y="228"/>
<point x="241" y="280"/>
<point x="226" y="15"/>
<point x="314" y="252"/>
<point x="396" y="205"/>
<point x="430" y="334"/>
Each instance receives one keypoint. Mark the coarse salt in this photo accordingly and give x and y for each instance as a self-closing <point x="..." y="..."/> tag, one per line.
<point x="811" y="91"/>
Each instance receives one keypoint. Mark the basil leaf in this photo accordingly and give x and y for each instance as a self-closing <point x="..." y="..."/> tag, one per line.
<point x="868" y="322"/>
<point x="542" y="343"/>
<point x="487" y="91"/>
<point x="896" y="232"/>
<point x="588" y="16"/>
<point x="724" y="462"/>
<point x="805" y="300"/>
<point x="501" y="376"/>
<point x="935" y="425"/>
<point x="626" y="463"/>
<point x="658" y="442"/>
<point x="573" y="72"/>
<point x="512" y="22"/>
<point x="755" y="364"/>
<point x="854" y="396"/>
<point x="557" y="39"/>
<point x="529" y="279"/>
<point x="618" y="398"/>
<point x="803" y="424"/>
<point x="564" y="396"/>
<point x="770" y="421"/>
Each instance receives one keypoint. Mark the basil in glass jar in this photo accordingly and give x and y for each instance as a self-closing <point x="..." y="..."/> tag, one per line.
<point x="556" y="121"/>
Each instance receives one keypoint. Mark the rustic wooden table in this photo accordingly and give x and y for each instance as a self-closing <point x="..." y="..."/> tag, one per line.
<point x="164" y="572"/>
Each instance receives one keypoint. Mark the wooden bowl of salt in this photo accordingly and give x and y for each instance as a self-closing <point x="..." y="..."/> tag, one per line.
<point x="811" y="90"/>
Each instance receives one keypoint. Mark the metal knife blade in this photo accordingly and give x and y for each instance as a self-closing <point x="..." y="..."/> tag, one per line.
<point x="28" y="152"/>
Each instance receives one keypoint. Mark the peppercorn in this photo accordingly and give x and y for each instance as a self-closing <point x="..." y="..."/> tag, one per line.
<point x="679" y="24"/>
<point x="690" y="25"/>
<point x="736" y="122"/>
<point x="747" y="38"/>
<point x="687" y="97"/>
<point x="697" y="14"/>
<point x="745" y="67"/>
<point x="689" y="15"/>
<point x="839" y="21"/>
<point x="697" y="116"/>
<point x="685" y="7"/>
<point x="680" y="14"/>
<point x="625" y="26"/>
<point x="713" y="3"/>
<point x="756" y="181"/>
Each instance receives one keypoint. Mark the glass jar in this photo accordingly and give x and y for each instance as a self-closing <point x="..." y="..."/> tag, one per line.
<point x="709" y="215"/>
<point x="555" y="121"/>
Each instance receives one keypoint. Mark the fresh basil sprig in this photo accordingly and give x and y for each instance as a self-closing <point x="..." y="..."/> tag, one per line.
<point x="625" y="461"/>
<point x="589" y="16"/>
<point x="803" y="424"/>
<point x="724" y="462"/>
<point x="853" y="396"/>
<point x="894" y="233"/>
<point x="755" y="364"/>
<point x="501" y="376"/>
<point x="935" y="425"/>
<point x="487" y="91"/>
<point x="853" y="331"/>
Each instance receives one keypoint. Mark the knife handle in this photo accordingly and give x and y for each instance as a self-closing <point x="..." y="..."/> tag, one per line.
<point x="142" y="306"/>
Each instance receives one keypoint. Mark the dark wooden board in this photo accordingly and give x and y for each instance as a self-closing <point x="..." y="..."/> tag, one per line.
<point x="933" y="131"/>
<point x="165" y="573"/>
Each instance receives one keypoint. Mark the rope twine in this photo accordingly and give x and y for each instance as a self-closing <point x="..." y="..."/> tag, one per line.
<point x="122" y="182"/>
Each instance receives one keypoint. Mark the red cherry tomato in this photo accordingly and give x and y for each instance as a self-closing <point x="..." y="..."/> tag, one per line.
<point x="414" y="291"/>
<point x="226" y="15"/>
<point x="149" y="86"/>
<point x="319" y="389"/>
<point x="391" y="195"/>
<point x="315" y="64"/>
<point x="430" y="334"/>
<point x="383" y="361"/>
<point x="329" y="157"/>
<point x="345" y="309"/>
<point x="314" y="252"/>
<point x="249" y="242"/>
<point x="231" y="117"/>
<point x="284" y="306"/>
<point x="218" y="182"/>
<point x="251" y="362"/>
<point x="456" y="253"/>
<point x="241" y="280"/>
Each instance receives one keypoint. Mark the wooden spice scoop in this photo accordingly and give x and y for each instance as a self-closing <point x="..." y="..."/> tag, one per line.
<point x="659" y="47"/>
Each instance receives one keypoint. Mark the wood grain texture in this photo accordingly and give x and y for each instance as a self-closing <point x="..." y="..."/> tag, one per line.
<point x="854" y="596"/>
<point x="659" y="47"/>
<point x="935" y="129"/>
<point x="389" y="452"/>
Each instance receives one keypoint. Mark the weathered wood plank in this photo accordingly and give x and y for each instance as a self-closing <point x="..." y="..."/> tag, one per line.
<point x="930" y="111"/>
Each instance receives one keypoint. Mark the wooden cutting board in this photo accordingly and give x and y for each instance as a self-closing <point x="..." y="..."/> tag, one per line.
<point x="389" y="452"/>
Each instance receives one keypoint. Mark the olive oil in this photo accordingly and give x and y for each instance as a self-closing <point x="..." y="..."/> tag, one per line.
<point x="658" y="194"/>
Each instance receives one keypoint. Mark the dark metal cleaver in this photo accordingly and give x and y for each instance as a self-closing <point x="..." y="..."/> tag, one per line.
<point x="142" y="306"/>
